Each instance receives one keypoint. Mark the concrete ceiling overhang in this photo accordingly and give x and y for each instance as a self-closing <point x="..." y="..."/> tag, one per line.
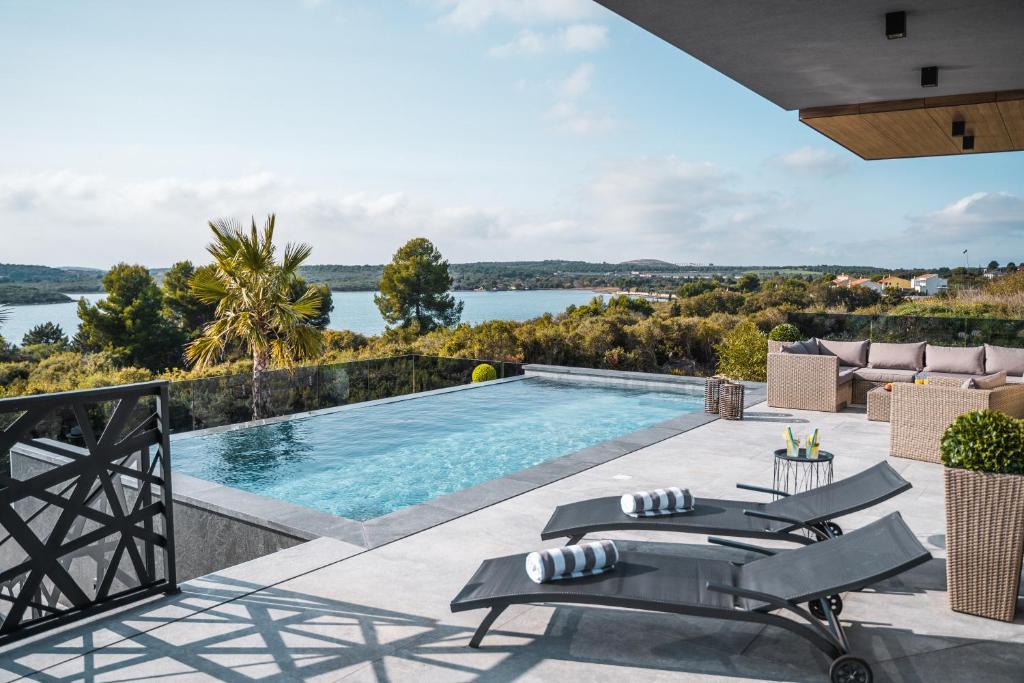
<point x="821" y="54"/>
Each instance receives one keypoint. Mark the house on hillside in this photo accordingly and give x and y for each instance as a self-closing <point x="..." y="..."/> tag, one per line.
<point x="893" y="282"/>
<point x="842" y="280"/>
<point x="866" y="283"/>
<point x="928" y="283"/>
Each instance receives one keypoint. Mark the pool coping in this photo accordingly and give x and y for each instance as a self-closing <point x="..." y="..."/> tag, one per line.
<point x="307" y="523"/>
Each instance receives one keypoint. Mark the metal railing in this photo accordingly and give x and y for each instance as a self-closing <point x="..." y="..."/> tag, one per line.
<point x="943" y="331"/>
<point x="87" y="524"/>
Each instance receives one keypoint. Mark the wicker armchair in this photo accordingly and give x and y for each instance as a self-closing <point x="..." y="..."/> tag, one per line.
<point x="805" y="382"/>
<point x="920" y="413"/>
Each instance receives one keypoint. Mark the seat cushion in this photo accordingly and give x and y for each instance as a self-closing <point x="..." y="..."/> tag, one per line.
<point x="965" y="360"/>
<point x="852" y="353"/>
<point x="846" y="375"/>
<point x="1004" y="359"/>
<point x="1011" y="379"/>
<point x="897" y="356"/>
<point x="885" y="375"/>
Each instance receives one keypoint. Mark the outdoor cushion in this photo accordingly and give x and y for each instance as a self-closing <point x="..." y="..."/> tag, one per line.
<point x="845" y="375"/>
<point x="1012" y="379"/>
<point x="897" y="356"/>
<point x="850" y="352"/>
<point x="992" y="381"/>
<point x="885" y="375"/>
<point x="968" y="360"/>
<point x="806" y="347"/>
<point x="1005" y="358"/>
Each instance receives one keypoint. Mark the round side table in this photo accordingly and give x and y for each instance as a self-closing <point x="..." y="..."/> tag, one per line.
<point x="793" y="474"/>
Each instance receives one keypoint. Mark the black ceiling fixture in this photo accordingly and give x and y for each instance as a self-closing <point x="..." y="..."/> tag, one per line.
<point x="958" y="128"/>
<point x="968" y="142"/>
<point x="929" y="76"/>
<point x="895" y="25"/>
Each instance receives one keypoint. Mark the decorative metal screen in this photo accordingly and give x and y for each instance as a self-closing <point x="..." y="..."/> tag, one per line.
<point x="85" y="510"/>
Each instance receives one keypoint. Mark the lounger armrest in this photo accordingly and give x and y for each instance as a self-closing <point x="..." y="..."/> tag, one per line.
<point x="739" y="546"/>
<point x="761" y="489"/>
<point x="787" y="520"/>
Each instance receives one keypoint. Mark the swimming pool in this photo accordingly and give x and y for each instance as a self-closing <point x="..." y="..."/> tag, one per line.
<point x="366" y="461"/>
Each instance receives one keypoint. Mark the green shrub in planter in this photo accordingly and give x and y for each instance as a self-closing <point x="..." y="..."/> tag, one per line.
<point x="785" y="333"/>
<point x="985" y="441"/>
<point x="484" y="373"/>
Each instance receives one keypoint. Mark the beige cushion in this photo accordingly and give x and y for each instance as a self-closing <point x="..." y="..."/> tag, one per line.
<point x="968" y="360"/>
<point x="853" y="353"/>
<point x="996" y="379"/>
<point x="806" y="347"/>
<point x="1011" y="379"/>
<point x="846" y="375"/>
<point x="1005" y="359"/>
<point x="884" y="375"/>
<point x="897" y="356"/>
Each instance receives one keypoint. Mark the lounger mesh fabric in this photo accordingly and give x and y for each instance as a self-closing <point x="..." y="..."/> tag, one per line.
<point x="726" y="517"/>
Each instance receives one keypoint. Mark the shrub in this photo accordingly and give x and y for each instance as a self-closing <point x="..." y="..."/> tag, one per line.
<point x="484" y="372"/>
<point x="743" y="353"/>
<point x="985" y="441"/>
<point x="785" y="333"/>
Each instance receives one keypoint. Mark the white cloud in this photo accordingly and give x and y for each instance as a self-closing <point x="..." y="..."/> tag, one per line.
<point x="578" y="82"/>
<point x="812" y="161"/>
<point x="574" y="38"/>
<point x="472" y="14"/>
<point x="569" y="114"/>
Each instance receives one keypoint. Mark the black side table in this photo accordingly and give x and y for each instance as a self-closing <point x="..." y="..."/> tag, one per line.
<point x="793" y="474"/>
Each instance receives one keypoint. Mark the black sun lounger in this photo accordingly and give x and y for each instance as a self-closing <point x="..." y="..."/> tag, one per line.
<point x="782" y="519"/>
<point x="719" y="588"/>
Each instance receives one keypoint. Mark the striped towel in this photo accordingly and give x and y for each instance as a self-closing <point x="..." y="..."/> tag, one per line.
<point x="668" y="501"/>
<point x="572" y="561"/>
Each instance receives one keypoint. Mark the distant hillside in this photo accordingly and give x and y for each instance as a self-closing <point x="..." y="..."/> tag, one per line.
<point x="51" y="279"/>
<point x="16" y="295"/>
<point x="650" y="263"/>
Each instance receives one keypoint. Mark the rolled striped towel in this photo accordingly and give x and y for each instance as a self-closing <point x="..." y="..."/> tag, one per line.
<point x="571" y="561"/>
<point x="668" y="501"/>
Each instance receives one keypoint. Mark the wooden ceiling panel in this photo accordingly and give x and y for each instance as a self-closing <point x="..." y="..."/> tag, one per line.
<point x="1012" y="112"/>
<point x="923" y="127"/>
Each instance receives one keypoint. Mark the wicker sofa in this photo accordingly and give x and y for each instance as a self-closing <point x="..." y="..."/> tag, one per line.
<point x="831" y="374"/>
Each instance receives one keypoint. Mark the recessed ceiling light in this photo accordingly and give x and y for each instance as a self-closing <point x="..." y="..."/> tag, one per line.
<point x="968" y="142"/>
<point x="929" y="76"/>
<point x="895" y="25"/>
<point x="958" y="128"/>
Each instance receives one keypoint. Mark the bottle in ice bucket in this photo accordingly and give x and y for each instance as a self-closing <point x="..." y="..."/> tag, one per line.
<point x="813" y="445"/>
<point x="792" y="445"/>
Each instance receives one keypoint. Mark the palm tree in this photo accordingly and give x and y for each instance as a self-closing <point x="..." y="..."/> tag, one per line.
<point x="254" y="303"/>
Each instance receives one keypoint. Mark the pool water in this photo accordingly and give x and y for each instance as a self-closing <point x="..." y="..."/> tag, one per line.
<point x="367" y="461"/>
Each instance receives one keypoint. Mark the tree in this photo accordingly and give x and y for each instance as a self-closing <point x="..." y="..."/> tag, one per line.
<point x="414" y="289"/>
<point x="45" y="333"/>
<point x="748" y="282"/>
<point x="1011" y="267"/>
<point x="252" y="293"/>
<point x="993" y="265"/>
<point x="129" y="323"/>
<point x="181" y="305"/>
<point x="323" y="317"/>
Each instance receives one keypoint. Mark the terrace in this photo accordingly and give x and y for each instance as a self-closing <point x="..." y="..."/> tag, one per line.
<point x="328" y="609"/>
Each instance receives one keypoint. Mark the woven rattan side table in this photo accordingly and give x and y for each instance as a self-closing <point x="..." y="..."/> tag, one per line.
<point x="730" y="401"/>
<point x="879" y="403"/>
<point x="711" y="387"/>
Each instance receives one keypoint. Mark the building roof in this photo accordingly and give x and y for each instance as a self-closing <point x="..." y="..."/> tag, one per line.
<point x="833" y="61"/>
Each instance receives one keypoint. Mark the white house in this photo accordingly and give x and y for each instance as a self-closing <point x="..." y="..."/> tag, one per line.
<point x="928" y="283"/>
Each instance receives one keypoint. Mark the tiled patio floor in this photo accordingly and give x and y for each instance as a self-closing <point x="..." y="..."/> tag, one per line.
<point x="331" y="611"/>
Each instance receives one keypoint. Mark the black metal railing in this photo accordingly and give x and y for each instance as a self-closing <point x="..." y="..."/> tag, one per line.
<point x="86" y="515"/>
<point x="905" y="328"/>
<point x="227" y="399"/>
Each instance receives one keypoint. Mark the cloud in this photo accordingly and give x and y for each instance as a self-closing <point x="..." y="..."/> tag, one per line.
<point x="567" y="112"/>
<point x="811" y="161"/>
<point x="573" y="38"/>
<point x="578" y="82"/>
<point x="473" y="14"/>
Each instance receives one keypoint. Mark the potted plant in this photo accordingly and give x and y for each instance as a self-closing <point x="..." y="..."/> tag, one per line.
<point x="983" y="452"/>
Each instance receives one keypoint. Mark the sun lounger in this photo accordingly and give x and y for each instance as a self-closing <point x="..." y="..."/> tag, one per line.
<point x="783" y="519"/>
<point x="719" y="588"/>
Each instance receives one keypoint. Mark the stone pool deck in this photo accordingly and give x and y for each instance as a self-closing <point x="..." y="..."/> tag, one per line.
<point x="331" y="610"/>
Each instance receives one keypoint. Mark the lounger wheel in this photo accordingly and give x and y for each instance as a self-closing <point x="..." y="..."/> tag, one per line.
<point x="835" y="603"/>
<point x="850" y="669"/>
<point x="834" y="528"/>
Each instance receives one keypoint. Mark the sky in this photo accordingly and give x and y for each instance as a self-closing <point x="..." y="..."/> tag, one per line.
<point x="500" y="129"/>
